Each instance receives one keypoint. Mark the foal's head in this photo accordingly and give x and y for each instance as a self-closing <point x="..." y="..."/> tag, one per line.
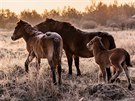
<point x="91" y="43"/>
<point x="19" y="30"/>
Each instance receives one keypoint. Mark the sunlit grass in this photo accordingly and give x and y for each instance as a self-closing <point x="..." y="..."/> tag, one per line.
<point x="17" y="85"/>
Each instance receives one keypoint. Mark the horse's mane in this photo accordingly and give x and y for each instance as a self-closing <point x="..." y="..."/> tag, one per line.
<point x="99" y="42"/>
<point x="65" y="25"/>
<point x="101" y="45"/>
<point x="29" y="29"/>
<point x="102" y="34"/>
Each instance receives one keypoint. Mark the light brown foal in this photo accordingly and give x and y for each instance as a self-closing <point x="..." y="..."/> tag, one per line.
<point x="118" y="58"/>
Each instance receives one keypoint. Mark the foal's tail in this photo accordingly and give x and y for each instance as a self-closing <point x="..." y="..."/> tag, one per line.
<point x="128" y="62"/>
<point x="57" y="53"/>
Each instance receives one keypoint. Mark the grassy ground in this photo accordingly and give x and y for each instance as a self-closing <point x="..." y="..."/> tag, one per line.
<point x="16" y="85"/>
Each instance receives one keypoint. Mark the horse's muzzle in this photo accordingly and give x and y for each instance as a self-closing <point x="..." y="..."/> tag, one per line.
<point x="87" y="45"/>
<point x="13" y="38"/>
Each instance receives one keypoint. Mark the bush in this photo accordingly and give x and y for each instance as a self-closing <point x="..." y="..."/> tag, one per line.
<point x="130" y="23"/>
<point x="10" y="26"/>
<point x="88" y="25"/>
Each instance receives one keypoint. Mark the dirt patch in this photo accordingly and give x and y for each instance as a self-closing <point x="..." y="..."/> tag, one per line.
<point x="105" y="92"/>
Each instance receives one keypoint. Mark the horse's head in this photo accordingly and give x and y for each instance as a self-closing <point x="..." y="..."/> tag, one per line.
<point x="20" y="30"/>
<point x="91" y="42"/>
<point x="48" y="25"/>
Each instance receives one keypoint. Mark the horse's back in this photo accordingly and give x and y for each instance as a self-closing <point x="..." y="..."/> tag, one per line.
<point x="118" y="55"/>
<point x="75" y="40"/>
<point x="54" y="45"/>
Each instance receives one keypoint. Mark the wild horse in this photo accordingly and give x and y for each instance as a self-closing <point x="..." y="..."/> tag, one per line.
<point x="118" y="58"/>
<point x="75" y="40"/>
<point x="39" y="45"/>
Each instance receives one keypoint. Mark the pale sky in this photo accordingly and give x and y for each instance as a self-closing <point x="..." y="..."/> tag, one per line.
<point x="40" y="5"/>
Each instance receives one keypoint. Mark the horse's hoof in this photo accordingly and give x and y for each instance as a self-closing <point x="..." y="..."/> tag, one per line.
<point x="55" y="83"/>
<point x="27" y="72"/>
<point x="117" y="80"/>
<point x="69" y="76"/>
<point x="130" y="87"/>
<point x="59" y="83"/>
<point x="111" y="80"/>
<point x="79" y="74"/>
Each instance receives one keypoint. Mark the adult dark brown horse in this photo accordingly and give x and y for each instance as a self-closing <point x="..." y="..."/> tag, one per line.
<point x="39" y="45"/>
<point x="75" y="40"/>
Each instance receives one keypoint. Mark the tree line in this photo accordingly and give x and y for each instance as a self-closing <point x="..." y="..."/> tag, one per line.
<point x="112" y="15"/>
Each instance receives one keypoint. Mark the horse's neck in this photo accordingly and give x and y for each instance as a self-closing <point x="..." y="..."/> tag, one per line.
<point x="98" y="47"/>
<point x="27" y="36"/>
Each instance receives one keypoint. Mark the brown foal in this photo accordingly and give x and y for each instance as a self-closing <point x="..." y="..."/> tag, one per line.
<point x="118" y="58"/>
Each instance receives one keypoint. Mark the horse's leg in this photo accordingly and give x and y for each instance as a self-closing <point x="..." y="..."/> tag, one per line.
<point x="103" y="70"/>
<point x="113" y="70"/>
<point x="107" y="43"/>
<point x="99" y="76"/>
<point x="108" y="70"/>
<point x="59" y="74"/>
<point x="53" y="72"/>
<point x="127" y="75"/>
<point x="70" y="60"/>
<point x="76" y="60"/>
<point x="28" y="60"/>
<point x="38" y="63"/>
<point x="118" y="71"/>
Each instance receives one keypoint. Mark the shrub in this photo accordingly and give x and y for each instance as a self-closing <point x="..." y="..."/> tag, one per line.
<point x="88" y="25"/>
<point x="10" y="26"/>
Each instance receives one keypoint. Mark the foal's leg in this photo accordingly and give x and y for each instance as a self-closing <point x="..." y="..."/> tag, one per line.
<point x="59" y="74"/>
<point x="108" y="70"/>
<point x="127" y="75"/>
<point x="28" y="60"/>
<point x="70" y="60"/>
<point x="53" y="71"/>
<point x="113" y="70"/>
<point x="118" y="71"/>
<point x="76" y="60"/>
<point x="102" y="73"/>
<point x="99" y="76"/>
<point x="103" y="70"/>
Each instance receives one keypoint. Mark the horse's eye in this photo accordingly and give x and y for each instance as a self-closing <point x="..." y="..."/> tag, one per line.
<point x="16" y="27"/>
<point x="91" y="43"/>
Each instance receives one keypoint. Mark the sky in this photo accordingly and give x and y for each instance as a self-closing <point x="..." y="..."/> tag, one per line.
<point x="40" y="5"/>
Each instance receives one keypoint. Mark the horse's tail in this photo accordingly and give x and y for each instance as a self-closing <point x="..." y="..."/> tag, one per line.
<point x="112" y="42"/>
<point x="57" y="53"/>
<point x="128" y="62"/>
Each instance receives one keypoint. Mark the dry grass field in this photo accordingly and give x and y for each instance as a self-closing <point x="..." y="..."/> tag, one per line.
<point x="16" y="85"/>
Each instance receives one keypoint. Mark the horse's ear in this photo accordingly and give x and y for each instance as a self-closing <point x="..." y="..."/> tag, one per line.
<point x="21" y="21"/>
<point x="49" y="19"/>
<point x="100" y="38"/>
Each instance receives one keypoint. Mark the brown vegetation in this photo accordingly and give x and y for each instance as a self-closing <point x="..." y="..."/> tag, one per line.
<point x="16" y="85"/>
